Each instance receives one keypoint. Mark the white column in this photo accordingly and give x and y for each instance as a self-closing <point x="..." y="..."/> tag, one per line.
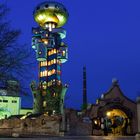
<point x="138" y="116"/>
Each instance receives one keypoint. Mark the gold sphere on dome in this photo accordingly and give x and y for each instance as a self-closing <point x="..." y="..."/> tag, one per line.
<point x="51" y="12"/>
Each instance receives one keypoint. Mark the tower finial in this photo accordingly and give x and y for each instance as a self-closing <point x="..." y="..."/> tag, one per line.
<point x="115" y="81"/>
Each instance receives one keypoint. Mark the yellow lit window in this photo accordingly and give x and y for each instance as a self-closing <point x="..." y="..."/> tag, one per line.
<point x="53" y="71"/>
<point x="54" y="51"/>
<point x="49" y="63"/>
<point x="49" y="53"/>
<point x="45" y="41"/>
<point x="40" y="74"/>
<point x="48" y="83"/>
<point x="63" y="53"/>
<point x="54" y="61"/>
<point x="49" y="73"/>
<point x="54" y="94"/>
<point x="44" y="103"/>
<point x="44" y="63"/>
<point x="58" y="61"/>
<point x="45" y="73"/>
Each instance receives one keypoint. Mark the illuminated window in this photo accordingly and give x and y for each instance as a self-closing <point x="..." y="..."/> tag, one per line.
<point x="40" y="74"/>
<point x="49" y="83"/>
<point x="54" y="51"/>
<point x="14" y="101"/>
<point x="54" y="61"/>
<point x="49" y="73"/>
<point x="53" y="71"/>
<point x="58" y="62"/>
<point x="44" y="85"/>
<point x="5" y="101"/>
<point x="63" y="53"/>
<point x="44" y="63"/>
<point x="45" y="73"/>
<point x="45" y="41"/>
<point x="49" y="63"/>
<point x="49" y="53"/>
<point x="44" y="103"/>
<point x="54" y="94"/>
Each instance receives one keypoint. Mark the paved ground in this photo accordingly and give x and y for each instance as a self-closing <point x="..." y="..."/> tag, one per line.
<point x="75" y="138"/>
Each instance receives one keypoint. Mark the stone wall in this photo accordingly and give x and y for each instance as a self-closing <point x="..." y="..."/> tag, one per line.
<point x="43" y="125"/>
<point x="76" y="124"/>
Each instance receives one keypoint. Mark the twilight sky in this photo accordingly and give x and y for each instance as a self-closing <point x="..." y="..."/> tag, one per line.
<point x="103" y="35"/>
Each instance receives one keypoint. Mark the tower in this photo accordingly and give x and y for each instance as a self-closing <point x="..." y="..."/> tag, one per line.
<point x="84" y="89"/>
<point x="51" y="52"/>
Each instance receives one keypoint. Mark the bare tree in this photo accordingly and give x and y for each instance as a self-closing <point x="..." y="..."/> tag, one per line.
<point x="15" y="59"/>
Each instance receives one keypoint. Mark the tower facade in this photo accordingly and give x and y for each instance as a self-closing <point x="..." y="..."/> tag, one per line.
<point x="51" y="52"/>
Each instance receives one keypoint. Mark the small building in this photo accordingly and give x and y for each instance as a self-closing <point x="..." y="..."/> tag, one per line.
<point x="114" y="113"/>
<point x="10" y="101"/>
<point x="9" y="105"/>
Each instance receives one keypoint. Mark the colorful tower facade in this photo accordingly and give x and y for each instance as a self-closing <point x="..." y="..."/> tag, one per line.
<point x="51" y="52"/>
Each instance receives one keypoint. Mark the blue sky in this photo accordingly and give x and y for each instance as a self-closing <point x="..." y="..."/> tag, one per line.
<point x="103" y="35"/>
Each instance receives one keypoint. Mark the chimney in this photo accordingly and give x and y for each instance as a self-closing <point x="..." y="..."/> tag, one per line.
<point x="84" y="89"/>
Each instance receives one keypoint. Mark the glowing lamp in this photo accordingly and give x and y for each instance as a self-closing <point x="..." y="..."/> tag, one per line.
<point x="108" y="114"/>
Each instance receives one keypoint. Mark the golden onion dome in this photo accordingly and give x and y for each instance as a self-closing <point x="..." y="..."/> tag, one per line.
<point x="50" y="12"/>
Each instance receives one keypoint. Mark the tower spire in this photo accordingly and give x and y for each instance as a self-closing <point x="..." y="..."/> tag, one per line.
<point x="84" y="88"/>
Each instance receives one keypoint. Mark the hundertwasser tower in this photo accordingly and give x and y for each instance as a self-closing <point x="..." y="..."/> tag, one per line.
<point x="51" y="53"/>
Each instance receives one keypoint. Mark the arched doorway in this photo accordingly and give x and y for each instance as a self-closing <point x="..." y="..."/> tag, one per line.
<point x="115" y="119"/>
<point x="116" y="122"/>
